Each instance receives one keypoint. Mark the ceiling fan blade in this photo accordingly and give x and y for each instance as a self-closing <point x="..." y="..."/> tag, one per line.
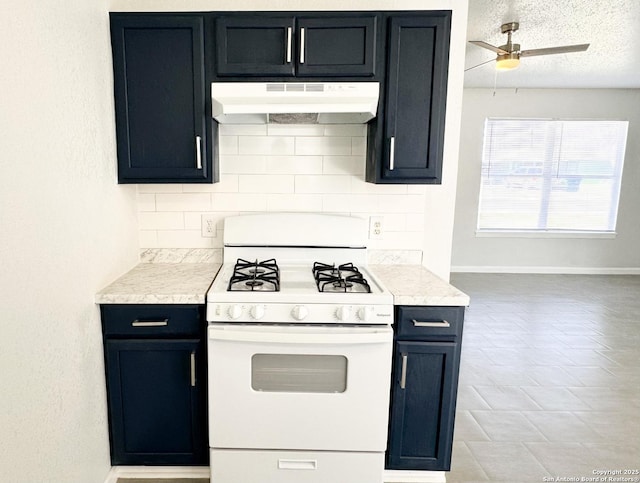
<point x="555" y="50"/>
<point x="486" y="62"/>
<point x="485" y="45"/>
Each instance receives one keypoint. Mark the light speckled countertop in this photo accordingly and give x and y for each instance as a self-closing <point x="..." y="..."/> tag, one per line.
<point x="415" y="285"/>
<point x="187" y="283"/>
<point x="161" y="283"/>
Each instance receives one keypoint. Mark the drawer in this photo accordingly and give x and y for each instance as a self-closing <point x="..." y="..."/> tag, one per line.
<point x="275" y="466"/>
<point x="152" y="320"/>
<point x="420" y="323"/>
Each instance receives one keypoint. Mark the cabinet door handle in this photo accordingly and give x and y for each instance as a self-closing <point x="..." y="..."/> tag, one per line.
<point x="442" y="323"/>
<point x="403" y="372"/>
<point x="150" y="323"/>
<point x="198" y="152"/>
<point x="193" y="369"/>
<point x="392" y="153"/>
<point x="302" y="45"/>
<point x="289" y="33"/>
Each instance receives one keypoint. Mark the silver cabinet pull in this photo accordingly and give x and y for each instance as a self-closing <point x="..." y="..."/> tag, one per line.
<point x="198" y="152"/>
<point x="392" y="153"/>
<point x="150" y="323"/>
<point x="193" y="369"/>
<point x="302" y="45"/>
<point x="442" y="323"/>
<point x="289" y="32"/>
<point x="403" y="374"/>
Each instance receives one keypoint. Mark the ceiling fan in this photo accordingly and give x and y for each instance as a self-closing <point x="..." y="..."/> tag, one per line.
<point x="509" y="54"/>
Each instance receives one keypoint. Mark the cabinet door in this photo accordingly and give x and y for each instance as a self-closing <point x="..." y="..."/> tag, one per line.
<point x="156" y="401"/>
<point x="255" y="46"/>
<point x="159" y="87"/>
<point x="423" y="405"/>
<point x="336" y="46"/>
<point x="416" y="96"/>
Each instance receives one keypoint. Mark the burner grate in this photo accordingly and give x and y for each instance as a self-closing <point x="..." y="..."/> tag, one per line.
<point x="261" y="276"/>
<point x="343" y="278"/>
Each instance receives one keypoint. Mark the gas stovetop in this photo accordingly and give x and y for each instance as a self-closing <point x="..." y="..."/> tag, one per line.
<point x="297" y="268"/>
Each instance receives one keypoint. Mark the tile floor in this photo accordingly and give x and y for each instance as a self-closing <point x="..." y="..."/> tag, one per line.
<point x="549" y="379"/>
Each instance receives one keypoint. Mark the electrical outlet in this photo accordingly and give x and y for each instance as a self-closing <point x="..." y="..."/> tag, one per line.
<point x="208" y="226"/>
<point x="375" y="227"/>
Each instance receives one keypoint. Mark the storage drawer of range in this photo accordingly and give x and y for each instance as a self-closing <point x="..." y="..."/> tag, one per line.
<point x="151" y="320"/>
<point x="417" y="322"/>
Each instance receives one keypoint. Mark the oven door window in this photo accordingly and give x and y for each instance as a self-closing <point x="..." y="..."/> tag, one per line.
<point x="299" y="373"/>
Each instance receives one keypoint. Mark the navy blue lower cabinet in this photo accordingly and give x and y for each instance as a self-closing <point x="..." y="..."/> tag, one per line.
<point x="424" y="388"/>
<point x="156" y="385"/>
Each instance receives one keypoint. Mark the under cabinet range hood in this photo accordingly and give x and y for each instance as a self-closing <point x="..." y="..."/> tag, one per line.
<point x="294" y="102"/>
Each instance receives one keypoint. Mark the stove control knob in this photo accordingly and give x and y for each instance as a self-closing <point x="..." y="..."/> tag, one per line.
<point x="257" y="311"/>
<point x="365" y="313"/>
<point x="235" y="311"/>
<point x="299" y="312"/>
<point x="343" y="313"/>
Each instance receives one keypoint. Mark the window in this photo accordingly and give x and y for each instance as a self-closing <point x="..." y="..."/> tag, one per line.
<point x="545" y="175"/>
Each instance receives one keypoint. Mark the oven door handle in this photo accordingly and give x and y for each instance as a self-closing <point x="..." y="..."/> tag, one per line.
<point x="374" y="336"/>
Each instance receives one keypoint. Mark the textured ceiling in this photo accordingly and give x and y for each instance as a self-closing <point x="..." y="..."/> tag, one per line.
<point x="611" y="27"/>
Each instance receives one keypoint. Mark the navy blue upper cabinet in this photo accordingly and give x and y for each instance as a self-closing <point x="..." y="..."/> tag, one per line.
<point x="162" y="131"/>
<point x="406" y="144"/>
<point x="334" y="46"/>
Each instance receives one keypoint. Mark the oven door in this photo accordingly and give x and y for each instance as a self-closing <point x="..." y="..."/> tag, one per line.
<point x="299" y="387"/>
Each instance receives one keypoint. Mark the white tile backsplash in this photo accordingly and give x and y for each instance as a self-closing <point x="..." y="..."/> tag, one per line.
<point x="275" y="167"/>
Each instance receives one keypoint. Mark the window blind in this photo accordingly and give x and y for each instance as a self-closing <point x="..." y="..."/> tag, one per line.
<point x="551" y="175"/>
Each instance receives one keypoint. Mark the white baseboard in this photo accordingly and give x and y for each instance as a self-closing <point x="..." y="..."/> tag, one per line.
<point x="402" y="476"/>
<point x="157" y="472"/>
<point x="390" y="476"/>
<point x="548" y="270"/>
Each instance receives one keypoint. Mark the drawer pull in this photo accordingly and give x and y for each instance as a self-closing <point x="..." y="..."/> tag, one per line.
<point x="150" y="323"/>
<point x="193" y="369"/>
<point x="442" y="323"/>
<point x="403" y="376"/>
<point x="297" y="464"/>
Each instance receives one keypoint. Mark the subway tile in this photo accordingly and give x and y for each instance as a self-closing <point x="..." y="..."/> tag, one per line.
<point x="148" y="239"/>
<point x="364" y="203"/>
<point x="242" y="129"/>
<point x="335" y="203"/>
<point x="343" y="165"/>
<point x="183" y="202"/>
<point x="359" y="185"/>
<point x="359" y="146"/>
<point x="146" y="202"/>
<point x="397" y="240"/>
<point x="173" y="220"/>
<point x="294" y="202"/>
<point x="243" y="164"/>
<point x="394" y="222"/>
<point x="322" y="184"/>
<point x="402" y="204"/>
<point x="295" y="130"/>
<point x="415" y="222"/>
<point x="294" y="164"/>
<point x="193" y="220"/>
<point x="268" y="145"/>
<point x="249" y="183"/>
<point x="238" y="202"/>
<point x="228" y="184"/>
<point x="416" y="189"/>
<point x="227" y="145"/>
<point x="160" y="188"/>
<point x="334" y="146"/>
<point x="345" y="130"/>
<point x="185" y="239"/>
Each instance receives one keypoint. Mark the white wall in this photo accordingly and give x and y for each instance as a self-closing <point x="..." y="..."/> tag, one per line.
<point x="67" y="230"/>
<point x="170" y="215"/>
<point x="587" y="255"/>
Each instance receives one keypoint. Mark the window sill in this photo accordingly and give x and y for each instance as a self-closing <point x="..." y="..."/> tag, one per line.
<point x="544" y="234"/>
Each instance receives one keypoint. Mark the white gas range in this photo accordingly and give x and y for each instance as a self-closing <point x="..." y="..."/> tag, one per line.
<point x="299" y="351"/>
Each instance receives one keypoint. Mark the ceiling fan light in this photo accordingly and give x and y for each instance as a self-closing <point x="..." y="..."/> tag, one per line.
<point x="508" y="61"/>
